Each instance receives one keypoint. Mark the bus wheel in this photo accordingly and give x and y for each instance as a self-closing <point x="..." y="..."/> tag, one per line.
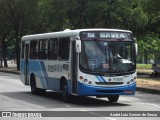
<point x="33" y="86"/>
<point x="113" y="98"/>
<point x="34" y="89"/>
<point x="65" y="95"/>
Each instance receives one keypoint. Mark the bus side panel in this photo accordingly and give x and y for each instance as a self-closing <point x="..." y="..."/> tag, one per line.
<point x="36" y="69"/>
<point x="47" y="75"/>
<point x="22" y="77"/>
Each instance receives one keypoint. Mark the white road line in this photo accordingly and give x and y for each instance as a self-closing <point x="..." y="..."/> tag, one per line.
<point x="142" y="103"/>
<point x="151" y="104"/>
<point x="83" y="110"/>
<point x="67" y="105"/>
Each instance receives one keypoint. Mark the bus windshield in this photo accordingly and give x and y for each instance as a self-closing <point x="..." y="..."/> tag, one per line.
<point x="115" y="57"/>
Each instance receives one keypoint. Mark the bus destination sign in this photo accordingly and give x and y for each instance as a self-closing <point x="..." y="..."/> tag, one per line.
<point x="117" y="35"/>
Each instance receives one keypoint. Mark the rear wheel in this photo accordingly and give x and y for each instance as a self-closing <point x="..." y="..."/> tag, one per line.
<point x="113" y="98"/>
<point x="65" y="95"/>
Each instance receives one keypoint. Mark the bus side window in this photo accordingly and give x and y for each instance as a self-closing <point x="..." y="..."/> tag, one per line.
<point x="42" y="53"/>
<point x="22" y="50"/>
<point x="64" y="45"/>
<point x="33" y="49"/>
<point x="53" y="49"/>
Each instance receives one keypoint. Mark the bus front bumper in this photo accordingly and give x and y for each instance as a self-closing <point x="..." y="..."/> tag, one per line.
<point x="88" y="90"/>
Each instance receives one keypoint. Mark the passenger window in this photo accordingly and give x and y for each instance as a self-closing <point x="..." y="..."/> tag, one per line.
<point x="64" y="45"/>
<point x="53" y="49"/>
<point x="33" y="49"/>
<point x="43" y="49"/>
<point x="22" y="49"/>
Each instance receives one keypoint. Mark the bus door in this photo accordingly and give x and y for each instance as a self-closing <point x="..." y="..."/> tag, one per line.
<point x="74" y="68"/>
<point x="26" y="57"/>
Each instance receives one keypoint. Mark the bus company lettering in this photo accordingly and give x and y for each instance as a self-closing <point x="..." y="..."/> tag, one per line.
<point x="55" y="68"/>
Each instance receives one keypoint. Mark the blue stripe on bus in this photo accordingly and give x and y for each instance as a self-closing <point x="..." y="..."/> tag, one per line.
<point x="42" y="82"/>
<point x="44" y="69"/>
<point x="102" y="79"/>
<point x="98" y="77"/>
<point x="44" y="73"/>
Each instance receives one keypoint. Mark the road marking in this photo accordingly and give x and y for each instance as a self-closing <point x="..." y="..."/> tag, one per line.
<point x="145" y="103"/>
<point x="142" y="103"/>
<point x="83" y="110"/>
<point x="67" y="105"/>
<point x="151" y="104"/>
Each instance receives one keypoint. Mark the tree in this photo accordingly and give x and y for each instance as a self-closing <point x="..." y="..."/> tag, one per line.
<point x="19" y="14"/>
<point x="149" y="44"/>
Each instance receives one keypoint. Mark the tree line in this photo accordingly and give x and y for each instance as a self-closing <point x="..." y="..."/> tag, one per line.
<point x="24" y="17"/>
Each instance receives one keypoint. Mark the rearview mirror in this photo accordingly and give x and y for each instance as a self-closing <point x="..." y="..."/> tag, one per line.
<point x="78" y="46"/>
<point x="136" y="48"/>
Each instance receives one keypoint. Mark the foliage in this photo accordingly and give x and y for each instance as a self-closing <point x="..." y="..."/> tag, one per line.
<point x="149" y="42"/>
<point x="21" y="17"/>
<point x="144" y="66"/>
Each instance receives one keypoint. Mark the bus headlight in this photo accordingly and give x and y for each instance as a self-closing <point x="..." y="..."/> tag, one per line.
<point x="90" y="82"/>
<point x="128" y="82"/>
<point x="85" y="80"/>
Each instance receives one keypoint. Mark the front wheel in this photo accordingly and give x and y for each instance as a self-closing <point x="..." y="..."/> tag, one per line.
<point x="113" y="98"/>
<point x="34" y="89"/>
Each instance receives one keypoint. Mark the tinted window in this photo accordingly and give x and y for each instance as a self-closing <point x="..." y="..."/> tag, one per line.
<point x="53" y="49"/>
<point x="22" y="50"/>
<point x="43" y="46"/>
<point x="64" y="44"/>
<point x="33" y="49"/>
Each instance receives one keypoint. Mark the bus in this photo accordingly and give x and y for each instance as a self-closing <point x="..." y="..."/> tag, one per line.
<point x="82" y="62"/>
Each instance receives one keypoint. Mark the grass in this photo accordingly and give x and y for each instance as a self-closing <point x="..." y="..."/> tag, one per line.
<point x="144" y="66"/>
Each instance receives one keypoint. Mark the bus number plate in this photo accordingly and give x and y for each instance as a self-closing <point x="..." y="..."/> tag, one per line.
<point x="118" y="79"/>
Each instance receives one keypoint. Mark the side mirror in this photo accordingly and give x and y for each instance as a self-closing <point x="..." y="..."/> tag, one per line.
<point x="136" y="48"/>
<point x="78" y="46"/>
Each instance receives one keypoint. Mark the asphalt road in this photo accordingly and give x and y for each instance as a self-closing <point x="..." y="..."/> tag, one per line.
<point x="14" y="96"/>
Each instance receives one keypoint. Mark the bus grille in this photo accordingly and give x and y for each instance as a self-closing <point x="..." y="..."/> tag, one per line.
<point x="109" y="91"/>
<point x="109" y="83"/>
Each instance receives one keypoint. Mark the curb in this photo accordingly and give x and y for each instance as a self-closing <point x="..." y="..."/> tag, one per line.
<point x="148" y="90"/>
<point x="13" y="72"/>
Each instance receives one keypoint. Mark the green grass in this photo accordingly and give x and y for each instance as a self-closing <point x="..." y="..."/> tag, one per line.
<point x="144" y="66"/>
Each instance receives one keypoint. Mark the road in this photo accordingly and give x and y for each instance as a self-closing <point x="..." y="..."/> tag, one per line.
<point x="14" y="96"/>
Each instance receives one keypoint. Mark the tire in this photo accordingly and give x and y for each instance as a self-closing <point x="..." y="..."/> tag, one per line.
<point x="113" y="98"/>
<point x="34" y="89"/>
<point x="64" y="91"/>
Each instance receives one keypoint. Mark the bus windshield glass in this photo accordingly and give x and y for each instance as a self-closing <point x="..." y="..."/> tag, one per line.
<point x="115" y="57"/>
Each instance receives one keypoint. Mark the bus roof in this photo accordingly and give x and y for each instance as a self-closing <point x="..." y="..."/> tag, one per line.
<point x="66" y="33"/>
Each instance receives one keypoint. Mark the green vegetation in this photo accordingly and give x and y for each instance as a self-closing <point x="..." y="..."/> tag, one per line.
<point x="23" y="17"/>
<point x="144" y="66"/>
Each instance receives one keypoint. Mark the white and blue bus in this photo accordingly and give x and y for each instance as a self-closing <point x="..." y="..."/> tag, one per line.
<point x="83" y="62"/>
